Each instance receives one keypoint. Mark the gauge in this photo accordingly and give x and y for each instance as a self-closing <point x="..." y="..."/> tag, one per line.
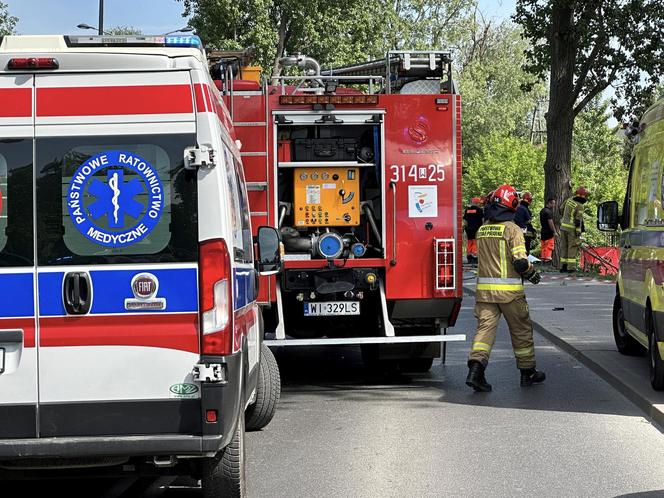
<point x="325" y="176"/>
<point x="314" y="176"/>
<point x="303" y="176"/>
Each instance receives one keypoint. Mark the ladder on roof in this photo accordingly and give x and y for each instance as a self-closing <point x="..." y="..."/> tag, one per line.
<point x="400" y="66"/>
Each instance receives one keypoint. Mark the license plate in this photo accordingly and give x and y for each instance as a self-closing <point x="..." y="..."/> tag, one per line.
<point x="332" y="308"/>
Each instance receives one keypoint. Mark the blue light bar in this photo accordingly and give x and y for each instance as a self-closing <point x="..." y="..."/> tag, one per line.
<point x="183" y="41"/>
<point x="188" y="41"/>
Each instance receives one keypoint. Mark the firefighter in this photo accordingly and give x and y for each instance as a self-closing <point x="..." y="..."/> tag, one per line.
<point x="503" y="264"/>
<point x="571" y="227"/>
<point x="472" y="221"/>
<point x="523" y="218"/>
<point x="549" y="232"/>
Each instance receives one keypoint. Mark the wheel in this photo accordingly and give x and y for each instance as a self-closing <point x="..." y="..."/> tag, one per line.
<point x="223" y="475"/>
<point x="268" y="390"/>
<point x="416" y="365"/>
<point x="625" y="343"/>
<point x="656" y="362"/>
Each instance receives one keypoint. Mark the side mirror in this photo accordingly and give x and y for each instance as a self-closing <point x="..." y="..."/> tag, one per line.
<point x="607" y="216"/>
<point x="269" y="251"/>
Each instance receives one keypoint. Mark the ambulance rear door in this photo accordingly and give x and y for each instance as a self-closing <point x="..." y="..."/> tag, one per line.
<point x="18" y="354"/>
<point x="117" y="254"/>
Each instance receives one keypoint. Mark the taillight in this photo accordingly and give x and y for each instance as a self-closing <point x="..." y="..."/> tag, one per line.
<point x="445" y="267"/>
<point x="33" y="63"/>
<point x="216" y="298"/>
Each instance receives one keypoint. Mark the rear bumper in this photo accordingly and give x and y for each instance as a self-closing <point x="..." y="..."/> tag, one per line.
<point x="133" y="427"/>
<point x="126" y="446"/>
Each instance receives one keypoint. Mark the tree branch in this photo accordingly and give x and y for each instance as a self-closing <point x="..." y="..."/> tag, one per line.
<point x="594" y="92"/>
<point x="585" y="69"/>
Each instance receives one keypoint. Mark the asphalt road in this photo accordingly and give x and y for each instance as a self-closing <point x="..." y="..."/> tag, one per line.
<point x="343" y="431"/>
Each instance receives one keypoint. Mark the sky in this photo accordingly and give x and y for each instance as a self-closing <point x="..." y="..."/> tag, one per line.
<point x="150" y="16"/>
<point x="62" y="16"/>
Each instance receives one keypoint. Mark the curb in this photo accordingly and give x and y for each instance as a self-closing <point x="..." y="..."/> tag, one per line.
<point x="654" y="413"/>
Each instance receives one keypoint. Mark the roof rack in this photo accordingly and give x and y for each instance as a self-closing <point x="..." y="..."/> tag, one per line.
<point x="401" y="66"/>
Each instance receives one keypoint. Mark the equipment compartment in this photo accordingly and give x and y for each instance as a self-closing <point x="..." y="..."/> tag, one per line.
<point x="325" y="149"/>
<point x="329" y="194"/>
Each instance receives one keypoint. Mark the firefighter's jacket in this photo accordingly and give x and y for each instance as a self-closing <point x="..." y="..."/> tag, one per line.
<point x="572" y="220"/>
<point x="499" y="244"/>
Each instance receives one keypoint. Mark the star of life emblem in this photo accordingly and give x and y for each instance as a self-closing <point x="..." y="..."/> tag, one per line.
<point x="112" y="210"/>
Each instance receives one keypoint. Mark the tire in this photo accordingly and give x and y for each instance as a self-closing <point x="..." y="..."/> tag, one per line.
<point x="625" y="343"/>
<point x="656" y="362"/>
<point x="223" y="475"/>
<point x="268" y="391"/>
<point x="416" y="365"/>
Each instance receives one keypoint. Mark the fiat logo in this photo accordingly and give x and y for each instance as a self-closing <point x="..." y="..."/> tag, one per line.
<point x="144" y="285"/>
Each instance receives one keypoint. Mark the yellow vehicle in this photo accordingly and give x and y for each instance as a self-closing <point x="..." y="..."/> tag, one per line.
<point x="638" y="310"/>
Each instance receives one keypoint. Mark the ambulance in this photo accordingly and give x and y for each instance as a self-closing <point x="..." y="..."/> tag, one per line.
<point x="130" y="337"/>
<point x="638" y="309"/>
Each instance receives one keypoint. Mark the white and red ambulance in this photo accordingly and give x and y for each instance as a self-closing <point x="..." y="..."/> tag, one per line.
<point x="130" y="337"/>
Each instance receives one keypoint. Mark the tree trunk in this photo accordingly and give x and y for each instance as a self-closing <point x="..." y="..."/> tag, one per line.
<point x="281" y="44"/>
<point x="560" y="116"/>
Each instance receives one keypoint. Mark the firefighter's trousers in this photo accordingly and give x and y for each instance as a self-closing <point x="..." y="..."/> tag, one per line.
<point x="569" y="247"/>
<point x="521" y="331"/>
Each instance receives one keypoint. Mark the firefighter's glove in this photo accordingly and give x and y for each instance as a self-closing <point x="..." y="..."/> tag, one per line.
<point x="526" y="270"/>
<point x="533" y="276"/>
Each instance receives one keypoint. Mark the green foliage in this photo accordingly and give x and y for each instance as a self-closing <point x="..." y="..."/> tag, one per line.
<point x="505" y="159"/>
<point x="123" y="30"/>
<point x="596" y="158"/>
<point x="490" y="82"/>
<point x="597" y="163"/>
<point x="615" y="42"/>
<point x="335" y="33"/>
<point x="7" y="21"/>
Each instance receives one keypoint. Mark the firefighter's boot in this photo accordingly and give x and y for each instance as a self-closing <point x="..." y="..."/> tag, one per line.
<point x="530" y="376"/>
<point x="476" y="378"/>
<point x="563" y="268"/>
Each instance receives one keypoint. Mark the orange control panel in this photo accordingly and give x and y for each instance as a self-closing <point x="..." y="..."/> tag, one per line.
<point x="326" y="197"/>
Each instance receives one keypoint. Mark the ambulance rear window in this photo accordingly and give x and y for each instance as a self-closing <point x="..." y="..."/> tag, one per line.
<point x="115" y="200"/>
<point x="16" y="219"/>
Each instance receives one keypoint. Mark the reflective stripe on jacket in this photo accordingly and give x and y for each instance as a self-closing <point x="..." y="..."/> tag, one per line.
<point x="498" y="245"/>
<point x="572" y="216"/>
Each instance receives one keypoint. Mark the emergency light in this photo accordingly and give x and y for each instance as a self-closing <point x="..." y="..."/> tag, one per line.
<point x="327" y="99"/>
<point x="187" y="41"/>
<point x="33" y="63"/>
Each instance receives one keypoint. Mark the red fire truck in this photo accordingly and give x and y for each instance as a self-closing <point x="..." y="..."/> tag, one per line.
<point x="359" y="168"/>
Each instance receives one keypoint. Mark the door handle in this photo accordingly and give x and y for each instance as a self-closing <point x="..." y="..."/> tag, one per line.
<point x="77" y="293"/>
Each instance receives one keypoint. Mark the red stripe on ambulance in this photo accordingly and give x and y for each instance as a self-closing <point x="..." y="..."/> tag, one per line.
<point x="15" y="102"/>
<point x="27" y="325"/>
<point x="199" y="92"/>
<point x="170" y="331"/>
<point x="114" y="100"/>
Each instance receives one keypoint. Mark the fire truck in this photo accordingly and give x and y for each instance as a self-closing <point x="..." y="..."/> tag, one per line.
<point x="359" y="168"/>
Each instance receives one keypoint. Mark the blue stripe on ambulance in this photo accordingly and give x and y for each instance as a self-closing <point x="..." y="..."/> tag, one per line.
<point x="17" y="294"/>
<point x="245" y="287"/>
<point x="179" y="286"/>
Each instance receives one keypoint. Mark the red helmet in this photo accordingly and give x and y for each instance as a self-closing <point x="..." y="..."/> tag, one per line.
<point x="476" y="200"/>
<point x="582" y="192"/>
<point x="527" y="196"/>
<point x="506" y="196"/>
